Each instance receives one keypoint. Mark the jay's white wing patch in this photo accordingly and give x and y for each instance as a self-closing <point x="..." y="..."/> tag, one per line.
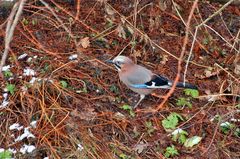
<point x="156" y="82"/>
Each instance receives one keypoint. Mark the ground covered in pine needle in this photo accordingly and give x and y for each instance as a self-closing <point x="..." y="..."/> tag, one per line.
<point x="59" y="99"/>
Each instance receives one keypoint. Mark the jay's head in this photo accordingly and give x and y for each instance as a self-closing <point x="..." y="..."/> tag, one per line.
<point x="121" y="62"/>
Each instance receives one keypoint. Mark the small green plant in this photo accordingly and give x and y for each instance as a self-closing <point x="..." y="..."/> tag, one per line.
<point x="64" y="84"/>
<point x="25" y="21"/>
<point x="226" y="127"/>
<point x="191" y="92"/>
<point x="129" y="109"/>
<point x="11" y="88"/>
<point x="34" y="22"/>
<point x="237" y="132"/>
<point x="114" y="89"/>
<point x="150" y="128"/>
<point x="123" y="156"/>
<point x="171" y="151"/>
<point x="171" y="121"/>
<point x="7" y="74"/>
<point x="179" y="135"/>
<point x="184" y="102"/>
<point x="6" y="154"/>
<point x="238" y="106"/>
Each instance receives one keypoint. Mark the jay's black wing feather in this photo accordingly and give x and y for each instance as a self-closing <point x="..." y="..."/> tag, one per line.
<point x="158" y="81"/>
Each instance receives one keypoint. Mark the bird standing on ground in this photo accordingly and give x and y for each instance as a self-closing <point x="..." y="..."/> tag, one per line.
<point x="141" y="80"/>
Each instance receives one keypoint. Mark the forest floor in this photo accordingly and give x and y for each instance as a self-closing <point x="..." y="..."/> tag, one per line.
<point x="56" y="76"/>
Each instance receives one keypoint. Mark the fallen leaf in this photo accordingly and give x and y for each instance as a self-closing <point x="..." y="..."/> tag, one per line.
<point x="119" y="116"/>
<point x="88" y="114"/>
<point x="109" y="10"/>
<point x="140" y="147"/>
<point x="190" y="142"/>
<point x="162" y="5"/>
<point x="164" y="59"/>
<point x="121" y="32"/>
<point x="137" y="53"/>
<point x="85" y="42"/>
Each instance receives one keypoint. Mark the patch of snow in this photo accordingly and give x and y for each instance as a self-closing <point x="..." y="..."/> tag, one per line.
<point x="29" y="59"/>
<point x="33" y="80"/>
<point x="11" y="78"/>
<point x="73" y="57"/>
<point x="22" y="56"/>
<point x="225" y="124"/>
<point x="26" y="134"/>
<point x="1" y="150"/>
<point x="80" y="147"/>
<point x="12" y="150"/>
<point x="4" y="102"/>
<point x="27" y="149"/>
<point x="33" y="124"/>
<point x="28" y="72"/>
<point x="235" y="120"/>
<point x="177" y="131"/>
<point x="15" y="126"/>
<point x="6" y="68"/>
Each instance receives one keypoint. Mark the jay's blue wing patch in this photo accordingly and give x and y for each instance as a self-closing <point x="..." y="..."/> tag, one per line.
<point x="156" y="82"/>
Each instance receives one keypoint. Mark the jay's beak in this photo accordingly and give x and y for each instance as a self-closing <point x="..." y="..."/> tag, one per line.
<point x="109" y="61"/>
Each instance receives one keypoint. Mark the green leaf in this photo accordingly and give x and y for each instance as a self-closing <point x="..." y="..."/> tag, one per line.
<point x="192" y="92"/>
<point x="171" y="151"/>
<point x="126" y="107"/>
<point x="150" y="127"/>
<point x="184" y="102"/>
<point x="129" y="109"/>
<point x="25" y="21"/>
<point x="7" y="74"/>
<point x="171" y="121"/>
<point x="190" y="142"/>
<point x="226" y="127"/>
<point x="64" y="84"/>
<point x="114" y="89"/>
<point x="237" y="132"/>
<point x="179" y="135"/>
<point x="10" y="88"/>
<point x="6" y="154"/>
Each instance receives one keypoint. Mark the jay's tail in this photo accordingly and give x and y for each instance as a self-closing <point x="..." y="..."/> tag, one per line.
<point x="186" y="85"/>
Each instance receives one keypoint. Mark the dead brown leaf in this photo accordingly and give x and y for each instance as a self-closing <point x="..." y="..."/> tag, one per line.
<point x="121" y="32"/>
<point x="85" y="42"/>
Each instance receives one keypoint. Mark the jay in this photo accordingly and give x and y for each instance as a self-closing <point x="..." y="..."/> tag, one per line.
<point x="140" y="79"/>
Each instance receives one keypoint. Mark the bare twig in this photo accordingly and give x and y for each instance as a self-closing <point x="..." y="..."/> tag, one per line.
<point x="196" y="31"/>
<point x="11" y="25"/>
<point x="181" y="56"/>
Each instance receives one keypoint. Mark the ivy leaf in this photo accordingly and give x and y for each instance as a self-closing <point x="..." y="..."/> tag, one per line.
<point x="190" y="142"/>
<point x="191" y="92"/>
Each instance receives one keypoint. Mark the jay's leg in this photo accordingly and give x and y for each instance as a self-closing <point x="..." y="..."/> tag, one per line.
<point x="142" y="96"/>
